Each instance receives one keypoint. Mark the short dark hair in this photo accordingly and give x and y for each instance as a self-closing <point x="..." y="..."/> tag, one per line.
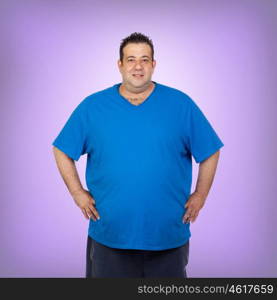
<point x="135" y="37"/>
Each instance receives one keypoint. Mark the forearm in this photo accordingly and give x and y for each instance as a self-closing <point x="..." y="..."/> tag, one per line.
<point x="68" y="171"/>
<point x="206" y="175"/>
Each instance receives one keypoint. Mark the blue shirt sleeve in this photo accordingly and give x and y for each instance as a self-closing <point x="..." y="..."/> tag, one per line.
<point x="72" y="139"/>
<point x="203" y="141"/>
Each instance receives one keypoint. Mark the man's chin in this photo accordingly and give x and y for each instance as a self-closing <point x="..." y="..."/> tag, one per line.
<point x="139" y="83"/>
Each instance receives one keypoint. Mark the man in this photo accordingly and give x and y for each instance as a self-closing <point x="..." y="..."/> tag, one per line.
<point x="139" y="137"/>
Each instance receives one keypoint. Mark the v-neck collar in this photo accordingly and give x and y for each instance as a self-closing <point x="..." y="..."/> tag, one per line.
<point x="125" y="102"/>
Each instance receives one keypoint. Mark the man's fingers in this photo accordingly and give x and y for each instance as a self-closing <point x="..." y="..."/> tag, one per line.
<point x="186" y="218"/>
<point x="189" y="215"/>
<point x="94" y="211"/>
<point x="194" y="218"/>
<point x="88" y="214"/>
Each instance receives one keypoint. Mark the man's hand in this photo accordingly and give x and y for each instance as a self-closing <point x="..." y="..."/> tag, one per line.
<point x="193" y="206"/>
<point x="86" y="203"/>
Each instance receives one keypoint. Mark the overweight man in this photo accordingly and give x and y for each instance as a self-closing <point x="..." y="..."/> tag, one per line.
<point x="139" y="136"/>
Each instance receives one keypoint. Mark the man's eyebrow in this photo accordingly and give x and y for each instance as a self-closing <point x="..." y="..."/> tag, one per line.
<point x="134" y="56"/>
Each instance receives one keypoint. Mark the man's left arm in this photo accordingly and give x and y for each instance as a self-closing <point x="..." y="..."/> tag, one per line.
<point x="206" y="173"/>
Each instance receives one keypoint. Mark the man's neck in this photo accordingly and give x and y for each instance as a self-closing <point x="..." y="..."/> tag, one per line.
<point x="136" y="98"/>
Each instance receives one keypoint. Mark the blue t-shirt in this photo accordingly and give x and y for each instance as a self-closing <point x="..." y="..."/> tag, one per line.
<point x="139" y="163"/>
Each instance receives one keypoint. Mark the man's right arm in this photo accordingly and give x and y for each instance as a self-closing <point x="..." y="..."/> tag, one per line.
<point x="69" y="173"/>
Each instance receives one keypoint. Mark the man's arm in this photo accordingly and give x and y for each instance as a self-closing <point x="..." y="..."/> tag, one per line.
<point x="69" y="173"/>
<point x="206" y="173"/>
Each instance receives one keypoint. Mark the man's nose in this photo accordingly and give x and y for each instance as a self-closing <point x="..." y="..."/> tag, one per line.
<point x="138" y="65"/>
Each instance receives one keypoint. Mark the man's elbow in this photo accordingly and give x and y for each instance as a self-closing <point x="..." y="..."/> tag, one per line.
<point x="216" y="155"/>
<point x="58" y="153"/>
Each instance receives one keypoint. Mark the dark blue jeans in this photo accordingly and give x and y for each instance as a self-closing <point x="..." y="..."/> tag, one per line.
<point x="104" y="262"/>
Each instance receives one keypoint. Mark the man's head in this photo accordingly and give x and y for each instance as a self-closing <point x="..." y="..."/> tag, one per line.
<point x="136" y="63"/>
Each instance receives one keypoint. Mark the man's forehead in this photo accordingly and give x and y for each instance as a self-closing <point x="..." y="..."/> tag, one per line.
<point x="137" y="50"/>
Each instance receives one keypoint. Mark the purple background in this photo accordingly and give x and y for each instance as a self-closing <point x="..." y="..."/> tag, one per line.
<point x="221" y="53"/>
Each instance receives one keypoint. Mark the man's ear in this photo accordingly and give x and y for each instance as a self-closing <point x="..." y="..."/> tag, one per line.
<point x="119" y="64"/>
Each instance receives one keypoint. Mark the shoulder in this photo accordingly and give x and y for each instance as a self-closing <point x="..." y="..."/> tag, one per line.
<point x="177" y="95"/>
<point x="94" y="99"/>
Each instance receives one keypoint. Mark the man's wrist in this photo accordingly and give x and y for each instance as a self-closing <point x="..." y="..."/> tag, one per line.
<point x="77" y="192"/>
<point x="201" y="194"/>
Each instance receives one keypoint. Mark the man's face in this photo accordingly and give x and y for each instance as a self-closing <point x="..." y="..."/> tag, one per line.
<point x="137" y="66"/>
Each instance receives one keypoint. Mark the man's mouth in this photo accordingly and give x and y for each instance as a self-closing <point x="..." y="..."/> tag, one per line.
<point x="137" y="75"/>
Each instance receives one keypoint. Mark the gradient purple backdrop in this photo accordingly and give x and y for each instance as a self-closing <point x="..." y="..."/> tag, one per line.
<point x="221" y="53"/>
